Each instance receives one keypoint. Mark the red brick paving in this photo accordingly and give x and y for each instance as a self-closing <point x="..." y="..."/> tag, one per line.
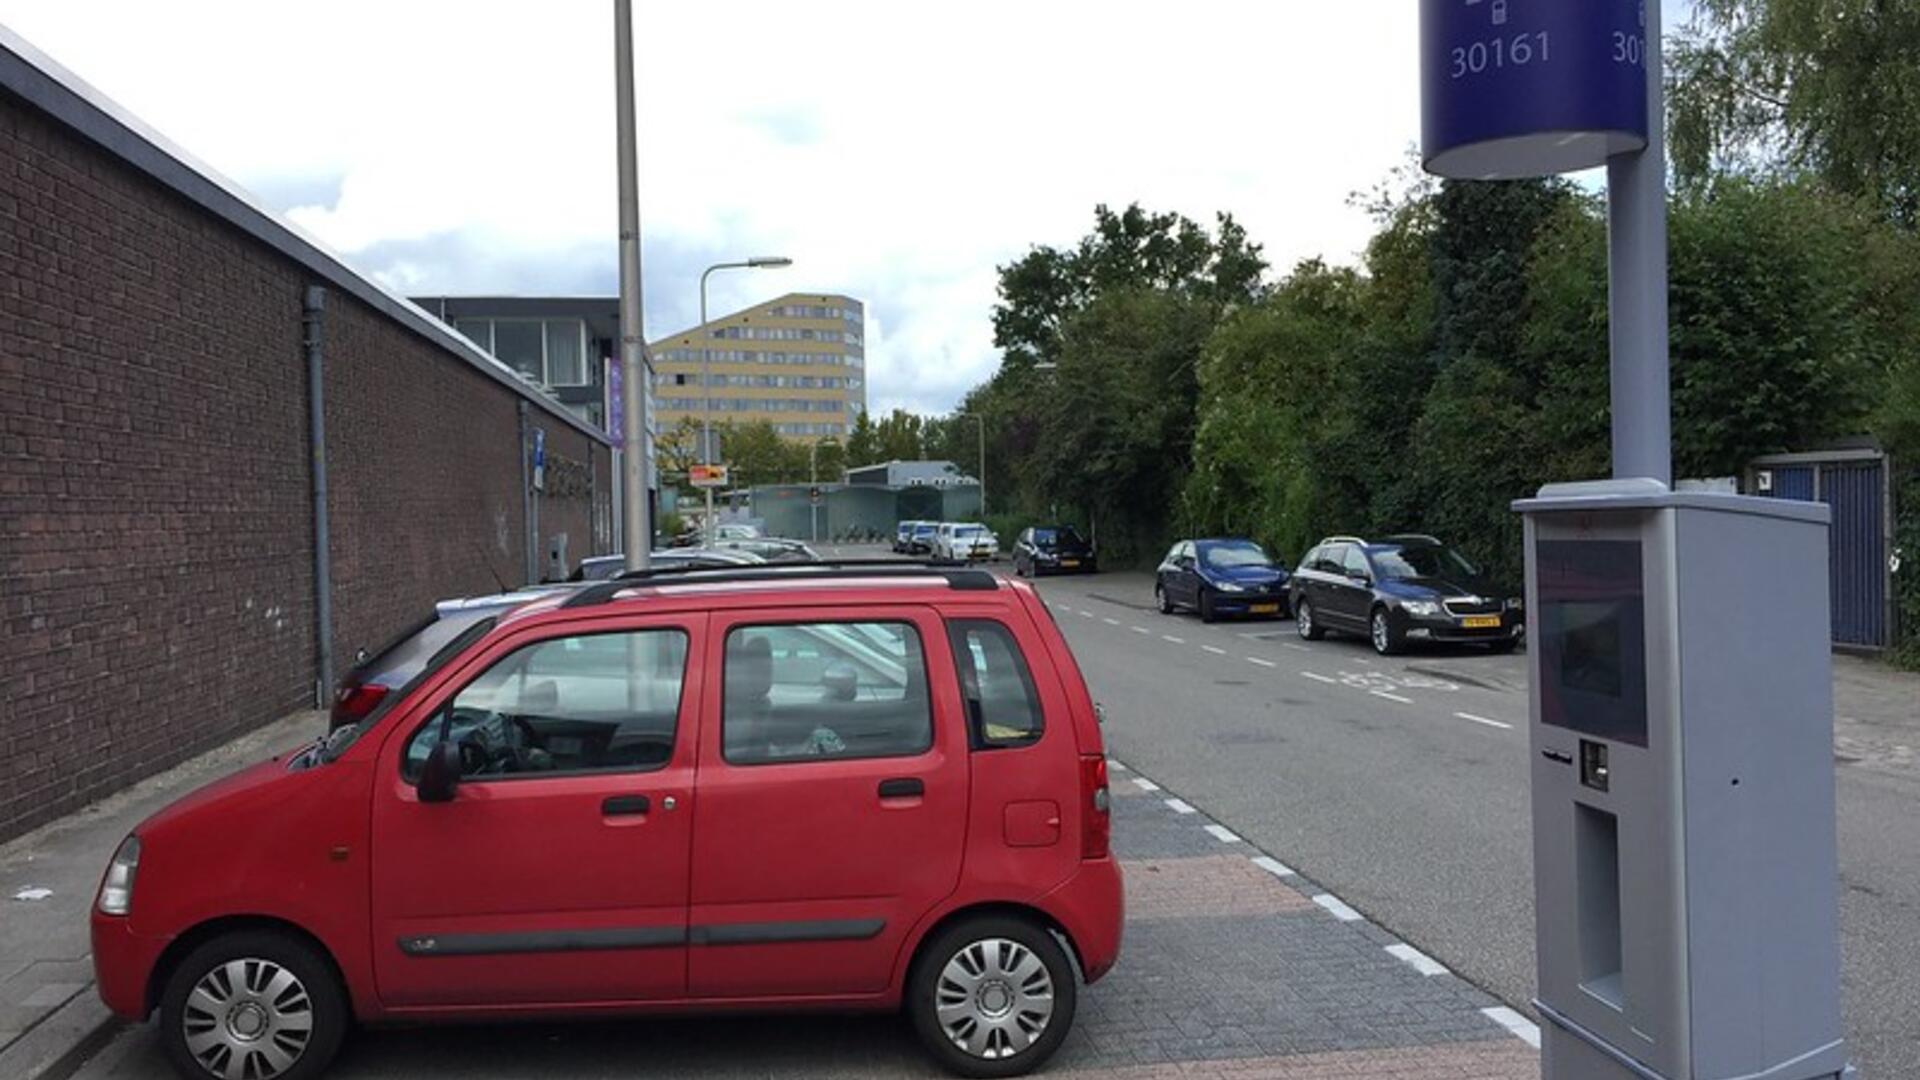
<point x="1206" y="885"/>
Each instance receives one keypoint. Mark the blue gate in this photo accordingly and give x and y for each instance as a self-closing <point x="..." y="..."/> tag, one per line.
<point x="1853" y="484"/>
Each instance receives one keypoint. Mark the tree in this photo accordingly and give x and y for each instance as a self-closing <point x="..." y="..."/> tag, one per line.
<point x="899" y="437"/>
<point x="1830" y="87"/>
<point x="829" y="461"/>
<point x="863" y="442"/>
<point x="1132" y="249"/>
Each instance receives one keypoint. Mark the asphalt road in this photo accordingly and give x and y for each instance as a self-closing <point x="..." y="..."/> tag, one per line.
<point x="1401" y="784"/>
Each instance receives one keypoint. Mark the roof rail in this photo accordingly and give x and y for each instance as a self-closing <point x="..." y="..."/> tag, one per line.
<point x="1424" y="538"/>
<point x="1343" y="540"/>
<point x="957" y="575"/>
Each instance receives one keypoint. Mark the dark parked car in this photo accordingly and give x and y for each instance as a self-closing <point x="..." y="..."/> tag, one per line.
<point x="1053" y="549"/>
<point x="903" y="537"/>
<point x="1218" y="577"/>
<point x="602" y="567"/>
<point x="1401" y="589"/>
<point x="920" y="539"/>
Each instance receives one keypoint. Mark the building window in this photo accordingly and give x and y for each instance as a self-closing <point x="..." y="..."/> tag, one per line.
<point x="478" y="331"/>
<point x="567" y="353"/>
<point x="520" y="345"/>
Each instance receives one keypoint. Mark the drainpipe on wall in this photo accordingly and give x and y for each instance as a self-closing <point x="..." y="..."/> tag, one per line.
<point x="313" y="308"/>
<point x="528" y="534"/>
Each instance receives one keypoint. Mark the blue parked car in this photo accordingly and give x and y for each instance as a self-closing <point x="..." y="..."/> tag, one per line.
<point x="1219" y="577"/>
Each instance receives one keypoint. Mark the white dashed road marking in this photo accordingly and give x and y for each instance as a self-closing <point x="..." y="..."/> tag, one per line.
<point x="1339" y="910"/>
<point x="1146" y="784"/>
<point x="1421" y="962"/>
<point x="1391" y="697"/>
<point x="1180" y="806"/>
<point x="1526" y="1030"/>
<point x="1223" y="834"/>
<point x="1273" y="866"/>
<point x="1174" y="640"/>
<point x="1088" y="614"/>
<point x="1114" y="763"/>
<point x="1321" y="678"/>
<point x="1484" y="720"/>
<point x="1262" y="663"/>
<point x="1215" y="650"/>
<point x="1140" y="629"/>
<point x="1294" y="647"/>
<point x="1111" y="622"/>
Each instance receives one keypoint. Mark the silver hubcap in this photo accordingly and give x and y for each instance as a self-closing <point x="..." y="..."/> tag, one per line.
<point x="1303" y="620"/>
<point x="994" y="998"/>
<point x="1380" y="631"/>
<point x="248" y="1019"/>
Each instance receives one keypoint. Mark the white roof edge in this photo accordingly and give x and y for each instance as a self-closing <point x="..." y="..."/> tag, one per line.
<point x="42" y="82"/>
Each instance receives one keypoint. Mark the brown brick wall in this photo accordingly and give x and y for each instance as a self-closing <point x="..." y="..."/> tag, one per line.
<point x="156" y="582"/>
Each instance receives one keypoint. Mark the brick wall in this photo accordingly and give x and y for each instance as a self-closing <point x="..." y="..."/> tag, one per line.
<point x="156" y="581"/>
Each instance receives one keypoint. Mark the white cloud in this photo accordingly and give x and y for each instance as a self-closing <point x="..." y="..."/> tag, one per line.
<point x="897" y="152"/>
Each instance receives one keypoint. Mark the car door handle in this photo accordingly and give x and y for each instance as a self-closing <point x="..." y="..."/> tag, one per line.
<point x="904" y="787"/>
<point x="620" y="805"/>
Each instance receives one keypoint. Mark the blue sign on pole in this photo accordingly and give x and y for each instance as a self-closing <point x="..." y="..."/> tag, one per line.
<point x="1521" y="88"/>
<point x="616" y="403"/>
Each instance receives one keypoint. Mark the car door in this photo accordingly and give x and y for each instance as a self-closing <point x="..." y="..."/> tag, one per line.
<point x="558" y="871"/>
<point x="1355" y="584"/>
<point x="1188" y="574"/>
<point x="832" y="799"/>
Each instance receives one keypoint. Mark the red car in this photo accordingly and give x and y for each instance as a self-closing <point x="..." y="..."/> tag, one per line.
<point x="860" y="788"/>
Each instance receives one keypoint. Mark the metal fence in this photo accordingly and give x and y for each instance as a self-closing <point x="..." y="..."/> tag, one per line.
<point x="856" y="511"/>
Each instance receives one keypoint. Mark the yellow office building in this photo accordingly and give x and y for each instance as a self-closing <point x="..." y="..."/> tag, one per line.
<point x="798" y="362"/>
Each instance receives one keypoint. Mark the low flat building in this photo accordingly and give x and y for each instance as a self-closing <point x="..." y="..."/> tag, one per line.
<point x="903" y="474"/>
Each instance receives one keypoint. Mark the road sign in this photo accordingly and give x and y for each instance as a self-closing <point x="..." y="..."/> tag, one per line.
<point x="1523" y="88"/>
<point x="707" y="476"/>
<point x="539" y="459"/>
<point x="813" y="495"/>
<point x="616" y="404"/>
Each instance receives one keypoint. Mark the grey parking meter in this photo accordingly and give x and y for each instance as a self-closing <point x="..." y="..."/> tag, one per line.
<point x="1682" y="765"/>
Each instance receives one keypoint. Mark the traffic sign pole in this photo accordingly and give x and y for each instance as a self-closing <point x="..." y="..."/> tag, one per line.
<point x="1637" y="286"/>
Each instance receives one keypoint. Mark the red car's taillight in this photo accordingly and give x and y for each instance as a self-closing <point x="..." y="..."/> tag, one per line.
<point x="1096" y="829"/>
<point x="352" y="703"/>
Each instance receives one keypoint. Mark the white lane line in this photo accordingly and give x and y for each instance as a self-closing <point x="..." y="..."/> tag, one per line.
<point x="1262" y="663"/>
<point x="1484" y="720"/>
<point x="1116" y="764"/>
<point x="1174" y="640"/>
<point x="1180" y="806"/>
<point x="1526" y="1030"/>
<point x="1321" y="678"/>
<point x="1087" y="614"/>
<point x="1139" y="629"/>
<point x="1363" y="660"/>
<point x="1294" y="647"/>
<point x="1146" y="784"/>
<point x="1421" y="962"/>
<point x="1273" y="866"/>
<point x="1111" y="622"/>
<point x="1340" y="910"/>
<point x="1223" y="834"/>
<point x="1391" y="697"/>
<point x="1215" y="650"/>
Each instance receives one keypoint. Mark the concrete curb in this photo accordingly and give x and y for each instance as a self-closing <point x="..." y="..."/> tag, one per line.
<point x="57" y="1046"/>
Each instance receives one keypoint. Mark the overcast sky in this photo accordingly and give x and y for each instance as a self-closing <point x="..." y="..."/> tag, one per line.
<point x="896" y="151"/>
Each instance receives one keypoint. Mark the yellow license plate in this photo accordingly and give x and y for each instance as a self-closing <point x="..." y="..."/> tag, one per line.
<point x="1480" y="622"/>
<point x="1265" y="609"/>
<point x="1069" y="563"/>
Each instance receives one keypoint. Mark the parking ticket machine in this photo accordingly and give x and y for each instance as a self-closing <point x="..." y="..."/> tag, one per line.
<point x="1682" y="763"/>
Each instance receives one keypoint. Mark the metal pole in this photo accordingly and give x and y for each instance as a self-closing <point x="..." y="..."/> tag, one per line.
<point x="813" y="481"/>
<point x="315" y="326"/>
<point x="982" y="421"/>
<point x="636" y="523"/>
<point x="1637" y="287"/>
<point x="706" y="399"/>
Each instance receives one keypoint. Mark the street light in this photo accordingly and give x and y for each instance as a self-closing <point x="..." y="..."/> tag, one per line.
<point x="758" y="262"/>
<point x="982" y="421"/>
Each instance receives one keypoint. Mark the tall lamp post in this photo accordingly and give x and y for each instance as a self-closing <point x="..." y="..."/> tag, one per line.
<point x="758" y="262"/>
<point x="982" y="422"/>
<point x="636" y="519"/>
